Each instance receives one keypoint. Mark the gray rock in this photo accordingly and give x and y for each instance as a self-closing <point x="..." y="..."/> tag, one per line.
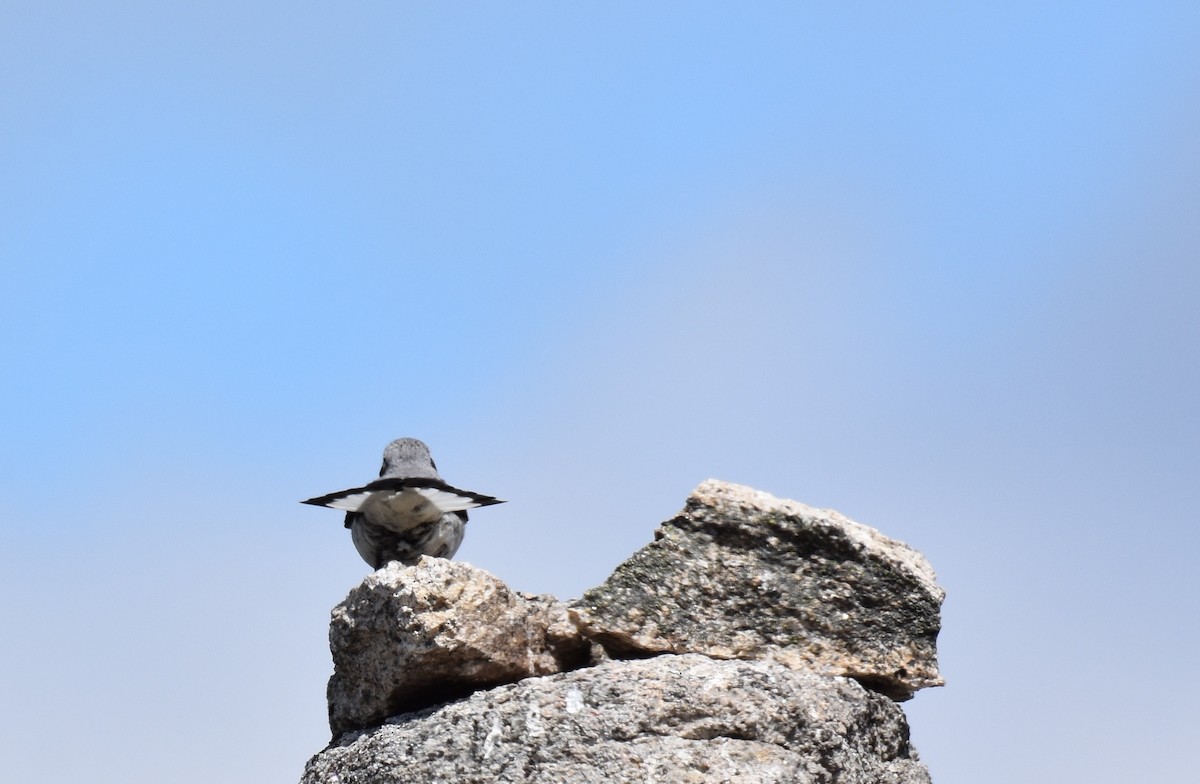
<point x="412" y="636"/>
<point x="759" y="607"/>
<point x="740" y="574"/>
<point x="667" y="719"/>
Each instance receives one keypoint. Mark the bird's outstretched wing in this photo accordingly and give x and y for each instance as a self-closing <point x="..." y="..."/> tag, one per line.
<point x="440" y="494"/>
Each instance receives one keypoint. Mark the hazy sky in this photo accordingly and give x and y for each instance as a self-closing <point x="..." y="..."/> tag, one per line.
<point x="931" y="265"/>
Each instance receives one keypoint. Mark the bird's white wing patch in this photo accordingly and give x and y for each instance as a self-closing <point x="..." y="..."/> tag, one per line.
<point x="446" y="500"/>
<point x="350" y="502"/>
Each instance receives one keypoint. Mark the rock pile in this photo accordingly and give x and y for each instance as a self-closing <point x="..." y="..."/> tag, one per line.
<point x="754" y="640"/>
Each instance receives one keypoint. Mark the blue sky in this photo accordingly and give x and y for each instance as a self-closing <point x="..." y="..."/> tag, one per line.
<point x="933" y="266"/>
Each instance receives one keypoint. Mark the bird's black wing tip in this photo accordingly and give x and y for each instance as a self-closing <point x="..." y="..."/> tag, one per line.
<point x="324" y="500"/>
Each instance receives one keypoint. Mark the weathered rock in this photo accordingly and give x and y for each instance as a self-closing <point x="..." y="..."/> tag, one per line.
<point x="667" y="719"/>
<point x="412" y="636"/>
<point x="767" y="603"/>
<point x="740" y="574"/>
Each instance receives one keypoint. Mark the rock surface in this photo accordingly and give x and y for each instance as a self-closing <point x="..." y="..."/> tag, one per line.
<point x="408" y="637"/>
<point x="667" y="719"/>
<point x="778" y="633"/>
<point x="740" y="574"/>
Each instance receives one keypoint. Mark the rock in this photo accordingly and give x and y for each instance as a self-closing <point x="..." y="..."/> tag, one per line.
<point x="740" y="574"/>
<point x="755" y="640"/>
<point x="413" y="636"/>
<point x="667" y="719"/>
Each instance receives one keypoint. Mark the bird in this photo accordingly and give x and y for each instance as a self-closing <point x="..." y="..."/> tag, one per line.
<point x="409" y="511"/>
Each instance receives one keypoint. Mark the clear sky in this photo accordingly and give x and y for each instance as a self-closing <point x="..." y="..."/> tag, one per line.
<point x="933" y="265"/>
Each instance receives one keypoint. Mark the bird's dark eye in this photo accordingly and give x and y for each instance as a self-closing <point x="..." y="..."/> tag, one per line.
<point x="433" y="464"/>
<point x="383" y="468"/>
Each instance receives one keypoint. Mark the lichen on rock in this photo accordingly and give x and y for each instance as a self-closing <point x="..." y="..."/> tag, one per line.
<point x="739" y="574"/>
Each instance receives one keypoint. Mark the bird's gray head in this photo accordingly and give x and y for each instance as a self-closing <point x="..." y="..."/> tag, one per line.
<point x="407" y="458"/>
